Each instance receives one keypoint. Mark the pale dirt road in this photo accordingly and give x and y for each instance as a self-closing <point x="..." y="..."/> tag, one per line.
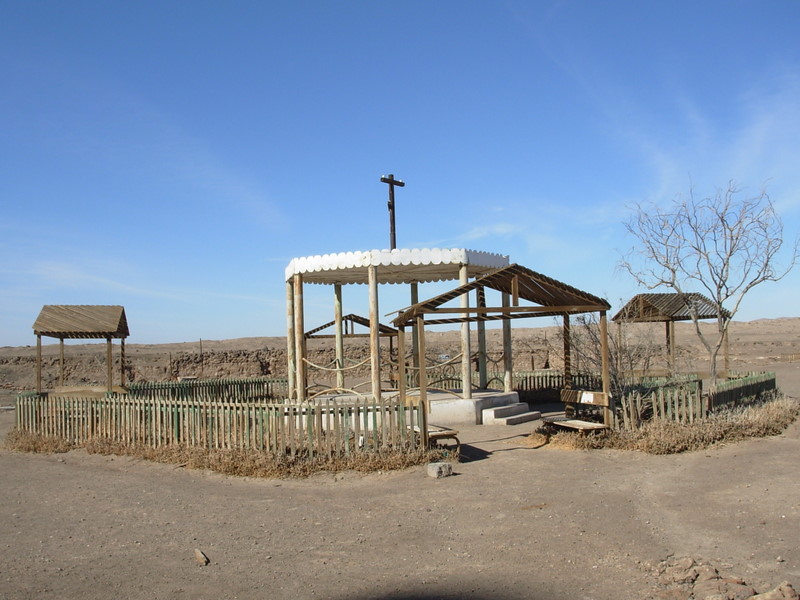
<point x="514" y="522"/>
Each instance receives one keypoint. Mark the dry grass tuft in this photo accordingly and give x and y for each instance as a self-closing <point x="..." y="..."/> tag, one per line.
<point x="242" y="463"/>
<point x="23" y="441"/>
<point x="660" y="436"/>
<point x="251" y="463"/>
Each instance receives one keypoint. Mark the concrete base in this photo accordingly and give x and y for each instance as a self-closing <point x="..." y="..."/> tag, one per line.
<point x="447" y="409"/>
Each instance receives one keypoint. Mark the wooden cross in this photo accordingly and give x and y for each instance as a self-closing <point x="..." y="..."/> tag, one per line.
<point x="392" y="182"/>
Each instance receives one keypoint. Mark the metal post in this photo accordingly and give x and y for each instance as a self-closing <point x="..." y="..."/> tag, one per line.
<point x="392" y="182"/>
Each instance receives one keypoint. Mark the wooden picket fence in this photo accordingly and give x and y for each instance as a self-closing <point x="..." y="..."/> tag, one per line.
<point x="233" y="390"/>
<point x="742" y="386"/>
<point x="685" y="401"/>
<point x="329" y="427"/>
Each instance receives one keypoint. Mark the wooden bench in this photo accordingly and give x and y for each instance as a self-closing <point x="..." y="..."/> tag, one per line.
<point x="575" y="401"/>
<point x="437" y="434"/>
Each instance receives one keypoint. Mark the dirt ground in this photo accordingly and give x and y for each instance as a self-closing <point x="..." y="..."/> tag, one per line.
<point x="513" y="522"/>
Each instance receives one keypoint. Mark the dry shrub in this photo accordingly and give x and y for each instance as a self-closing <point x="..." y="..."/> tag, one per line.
<point x="661" y="436"/>
<point x="252" y="463"/>
<point x="24" y="441"/>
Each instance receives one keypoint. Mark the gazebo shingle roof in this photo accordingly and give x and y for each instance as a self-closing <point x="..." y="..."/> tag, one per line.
<point x="81" y="322"/>
<point x="649" y="308"/>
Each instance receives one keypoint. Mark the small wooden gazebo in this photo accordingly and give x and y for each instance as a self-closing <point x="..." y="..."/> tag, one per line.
<point x="81" y="322"/>
<point x="547" y="297"/>
<point x="668" y="308"/>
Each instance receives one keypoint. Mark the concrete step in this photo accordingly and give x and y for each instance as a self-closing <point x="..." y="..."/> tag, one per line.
<point x="499" y="414"/>
<point x="520" y="418"/>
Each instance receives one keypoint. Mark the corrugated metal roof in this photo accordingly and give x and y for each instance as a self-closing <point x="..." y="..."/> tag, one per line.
<point x="81" y="322"/>
<point x="400" y="265"/>
<point x="649" y="308"/>
<point x="520" y="282"/>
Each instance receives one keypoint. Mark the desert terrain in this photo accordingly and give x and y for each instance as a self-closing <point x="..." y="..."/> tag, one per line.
<point x="515" y="521"/>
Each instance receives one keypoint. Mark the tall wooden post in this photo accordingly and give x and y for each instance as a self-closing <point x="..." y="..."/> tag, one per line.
<point x="337" y="319"/>
<point x="414" y="330"/>
<point x="109" y="365"/>
<point x="670" y="326"/>
<point x="481" y="326"/>
<point x="61" y="361"/>
<point x="301" y="379"/>
<point x="401" y="363"/>
<point x="291" y="358"/>
<point x="608" y="411"/>
<point x="122" y="362"/>
<point x="374" y="333"/>
<point x="508" y="350"/>
<point x="392" y="182"/>
<point x="466" y="363"/>
<point x="567" y="355"/>
<point x="423" y="373"/>
<point x="38" y="363"/>
<point x="727" y="351"/>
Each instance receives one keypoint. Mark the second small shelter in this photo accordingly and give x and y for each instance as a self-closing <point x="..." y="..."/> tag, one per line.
<point x="668" y="308"/>
<point x="548" y="297"/>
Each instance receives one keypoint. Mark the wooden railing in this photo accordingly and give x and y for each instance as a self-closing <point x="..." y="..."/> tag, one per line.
<point x="326" y="427"/>
<point x="233" y="390"/>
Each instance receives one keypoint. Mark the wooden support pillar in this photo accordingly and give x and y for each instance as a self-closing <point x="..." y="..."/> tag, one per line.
<point x="109" y="365"/>
<point x="61" y="361"/>
<point x="608" y="411"/>
<point x="122" y="362"/>
<point x="414" y="330"/>
<point x="337" y="320"/>
<point x="508" y="351"/>
<point x="482" y="375"/>
<point x="401" y="363"/>
<point x="301" y="377"/>
<point x="38" y="363"/>
<point x="423" y="373"/>
<point x="466" y="363"/>
<point x="567" y="355"/>
<point x="374" y="333"/>
<point x="727" y="350"/>
<point x="670" y="331"/>
<point x="291" y="358"/>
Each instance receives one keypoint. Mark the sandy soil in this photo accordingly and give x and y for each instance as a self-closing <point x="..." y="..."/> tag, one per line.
<point x="514" y="522"/>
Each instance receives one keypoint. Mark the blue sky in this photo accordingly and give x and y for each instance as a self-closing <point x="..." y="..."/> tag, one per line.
<point x="172" y="157"/>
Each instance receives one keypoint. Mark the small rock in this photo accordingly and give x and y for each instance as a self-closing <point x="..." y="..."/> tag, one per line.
<point x="201" y="558"/>
<point x="784" y="591"/>
<point x="440" y="469"/>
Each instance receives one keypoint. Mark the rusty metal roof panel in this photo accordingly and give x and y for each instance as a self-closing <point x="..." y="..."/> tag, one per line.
<point x="82" y="322"/>
<point x="663" y="307"/>
<point x="520" y="282"/>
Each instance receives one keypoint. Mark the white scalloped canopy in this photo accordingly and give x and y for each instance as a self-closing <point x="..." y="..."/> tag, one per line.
<point x="401" y="265"/>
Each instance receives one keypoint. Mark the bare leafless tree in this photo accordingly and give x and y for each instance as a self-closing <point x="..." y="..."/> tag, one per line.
<point x="722" y="246"/>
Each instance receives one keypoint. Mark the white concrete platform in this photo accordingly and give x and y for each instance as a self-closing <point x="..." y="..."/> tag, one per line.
<point x="449" y="409"/>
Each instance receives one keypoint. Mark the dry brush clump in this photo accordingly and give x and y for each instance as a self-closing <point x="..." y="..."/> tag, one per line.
<point x="660" y="436"/>
<point x="24" y="441"/>
<point x="242" y="463"/>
